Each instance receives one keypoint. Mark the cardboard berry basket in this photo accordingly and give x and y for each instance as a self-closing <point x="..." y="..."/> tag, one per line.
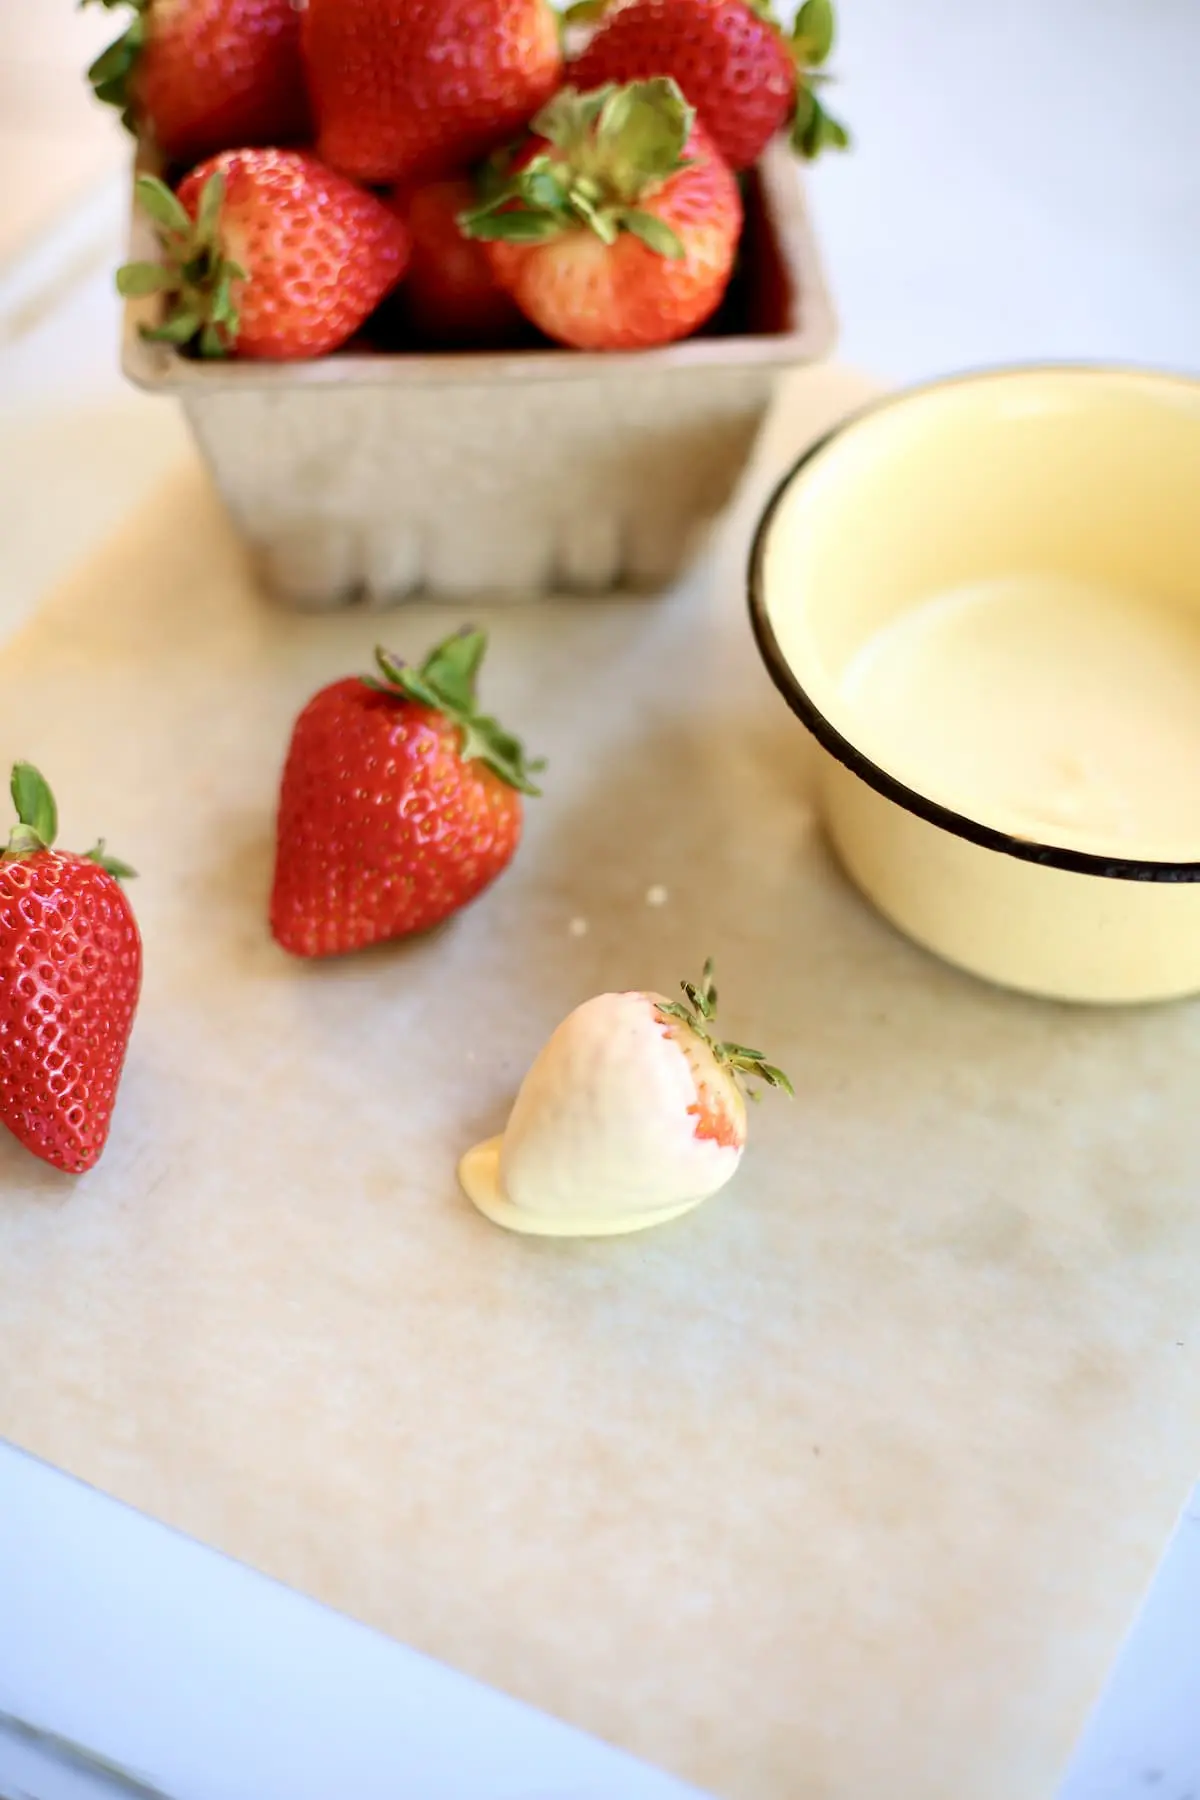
<point x="375" y="475"/>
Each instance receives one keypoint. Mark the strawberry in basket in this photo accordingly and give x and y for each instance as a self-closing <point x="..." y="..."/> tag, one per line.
<point x="197" y="76"/>
<point x="70" y="976"/>
<point x="266" y="253"/>
<point x="450" y="296"/>
<point x="618" y="227"/>
<point x="746" y="79"/>
<point x="418" y="88"/>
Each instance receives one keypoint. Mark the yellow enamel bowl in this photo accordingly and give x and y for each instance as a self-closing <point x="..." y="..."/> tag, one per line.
<point x="983" y="600"/>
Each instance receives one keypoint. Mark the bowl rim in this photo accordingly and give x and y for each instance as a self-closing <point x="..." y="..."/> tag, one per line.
<point x="843" y="749"/>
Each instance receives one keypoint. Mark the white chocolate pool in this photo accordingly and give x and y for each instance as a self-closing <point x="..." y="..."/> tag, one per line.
<point x="1054" y="708"/>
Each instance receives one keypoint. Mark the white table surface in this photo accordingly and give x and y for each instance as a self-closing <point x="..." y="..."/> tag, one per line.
<point x="1027" y="186"/>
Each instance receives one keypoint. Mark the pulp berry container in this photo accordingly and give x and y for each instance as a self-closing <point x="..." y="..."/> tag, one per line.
<point x="376" y="475"/>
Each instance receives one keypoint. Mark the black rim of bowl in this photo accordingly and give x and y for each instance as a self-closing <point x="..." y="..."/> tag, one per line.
<point x="1054" y="856"/>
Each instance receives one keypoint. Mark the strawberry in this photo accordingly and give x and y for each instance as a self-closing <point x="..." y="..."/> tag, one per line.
<point x="400" y="803"/>
<point x="266" y="253"/>
<point x="407" y="89"/>
<point x="631" y="1114"/>
<point x="450" y="295"/>
<point x="70" y="975"/>
<point x="619" y="229"/>
<point x="197" y="76"/>
<point x="743" y="76"/>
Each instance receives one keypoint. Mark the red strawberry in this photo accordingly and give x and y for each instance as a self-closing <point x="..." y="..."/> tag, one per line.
<point x="267" y="253"/>
<point x="743" y="76"/>
<point x="70" y="975"/>
<point x="450" y="295"/>
<point x="400" y="803"/>
<point x="406" y="89"/>
<point x="202" y="75"/>
<point x="619" y="231"/>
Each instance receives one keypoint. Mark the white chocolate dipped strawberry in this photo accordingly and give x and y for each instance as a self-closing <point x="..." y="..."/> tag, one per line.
<point x="631" y="1114"/>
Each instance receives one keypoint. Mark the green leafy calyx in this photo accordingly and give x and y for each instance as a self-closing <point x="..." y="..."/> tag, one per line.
<point x="609" y="151"/>
<point x="37" y="822"/>
<point x="445" y="681"/>
<point x="197" y="280"/>
<point x="585" y="12"/>
<point x="699" y="1015"/>
<point x="112" y="865"/>
<point x="813" y="126"/>
<point x="37" y="814"/>
<point x="112" y="71"/>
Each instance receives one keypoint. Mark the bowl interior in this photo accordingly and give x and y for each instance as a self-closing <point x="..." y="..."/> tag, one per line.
<point x="991" y="590"/>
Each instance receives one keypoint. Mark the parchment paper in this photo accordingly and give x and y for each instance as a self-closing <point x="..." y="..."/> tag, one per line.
<point x="847" y="1483"/>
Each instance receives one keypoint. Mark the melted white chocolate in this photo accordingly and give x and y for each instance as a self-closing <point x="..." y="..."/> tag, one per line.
<point x="479" y="1178"/>
<point x="1057" y="710"/>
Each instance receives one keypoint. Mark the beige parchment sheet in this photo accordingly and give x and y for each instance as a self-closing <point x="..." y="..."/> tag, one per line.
<point x="846" y="1484"/>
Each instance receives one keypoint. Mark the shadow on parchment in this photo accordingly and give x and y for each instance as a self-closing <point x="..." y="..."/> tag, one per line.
<point x="35" y="1179"/>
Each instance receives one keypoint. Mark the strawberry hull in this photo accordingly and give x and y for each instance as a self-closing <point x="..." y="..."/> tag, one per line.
<point x="377" y="474"/>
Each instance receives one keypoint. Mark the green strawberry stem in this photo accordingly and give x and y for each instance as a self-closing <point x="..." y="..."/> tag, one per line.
<point x="810" y="44"/>
<point x="112" y="865"/>
<point x="195" y="277"/>
<point x="110" y="73"/>
<point x="37" y="813"/>
<point x="446" y="682"/>
<point x="813" y="127"/>
<point x="37" y="823"/>
<point x="699" y="1015"/>
<point x="618" y="146"/>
